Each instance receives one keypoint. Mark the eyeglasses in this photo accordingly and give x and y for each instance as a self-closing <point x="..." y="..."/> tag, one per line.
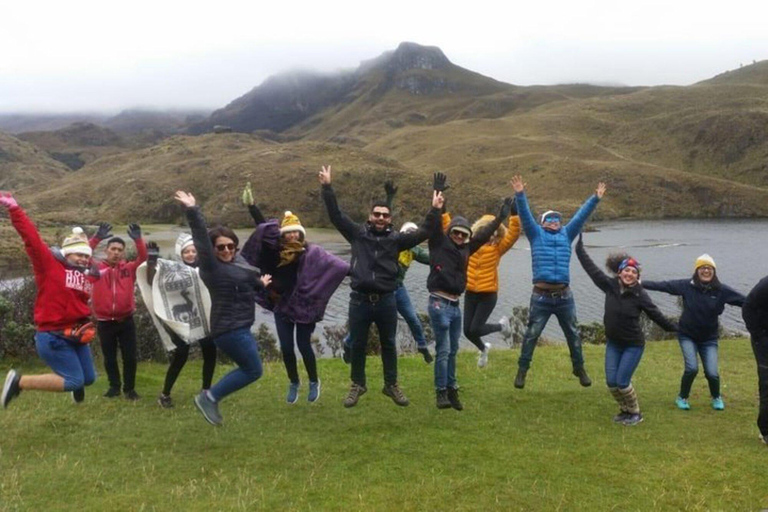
<point x="223" y="247"/>
<point x="382" y="215"/>
<point x="459" y="234"/>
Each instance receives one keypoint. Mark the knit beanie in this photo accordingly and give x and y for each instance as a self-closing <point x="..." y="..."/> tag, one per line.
<point x="76" y="243"/>
<point x="704" y="260"/>
<point x="409" y="226"/>
<point x="629" y="262"/>
<point x="182" y="242"/>
<point x="291" y="223"/>
<point x="460" y="224"/>
<point x="552" y="213"/>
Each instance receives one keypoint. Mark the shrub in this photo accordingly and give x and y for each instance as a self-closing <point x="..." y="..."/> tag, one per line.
<point x="593" y="333"/>
<point x="267" y="343"/>
<point x="17" y="328"/>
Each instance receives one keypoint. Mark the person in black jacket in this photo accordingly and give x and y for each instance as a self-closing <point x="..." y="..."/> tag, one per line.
<point x="449" y="254"/>
<point x="755" y="314"/>
<point x="704" y="299"/>
<point x="375" y="248"/>
<point x="233" y="285"/>
<point x="625" y="299"/>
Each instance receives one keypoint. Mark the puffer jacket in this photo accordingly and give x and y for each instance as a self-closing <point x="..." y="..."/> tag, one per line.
<point x="551" y="251"/>
<point x="483" y="269"/>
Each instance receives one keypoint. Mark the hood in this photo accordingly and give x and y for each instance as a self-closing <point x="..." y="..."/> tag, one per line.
<point x="485" y="220"/>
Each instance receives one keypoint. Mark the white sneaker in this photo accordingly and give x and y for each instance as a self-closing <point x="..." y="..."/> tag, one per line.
<point x="506" y="327"/>
<point x="482" y="360"/>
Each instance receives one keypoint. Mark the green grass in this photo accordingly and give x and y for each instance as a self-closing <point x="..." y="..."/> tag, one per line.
<point x="551" y="446"/>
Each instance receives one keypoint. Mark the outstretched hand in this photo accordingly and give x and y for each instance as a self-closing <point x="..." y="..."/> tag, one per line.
<point x="248" y="195"/>
<point x="518" y="185"/>
<point x="325" y="175"/>
<point x="438" y="182"/>
<point x="185" y="198"/>
<point x="7" y="200"/>
<point x="153" y="251"/>
<point x="437" y="199"/>
<point x="506" y="207"/>
<point x="600" y="191"/>
<point x="104" y="230"/>
<point x="266" y="279"/>
<point x="134" y="231"/>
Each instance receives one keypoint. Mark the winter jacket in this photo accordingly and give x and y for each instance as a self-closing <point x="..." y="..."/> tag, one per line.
<point x="623" y="305"/>
<point x="702" y="305"/>
<point x="113" y="297"/>
<point x="405" y="258"/>
<point x="374" y="254"/>
<point x="483" y="269"/>
<point x="551" y="251"/>
<point x="63" y="290"/>
<point x="448" y="261"/>
<point x="755" y="309"/>
<point x="233" y="286"/>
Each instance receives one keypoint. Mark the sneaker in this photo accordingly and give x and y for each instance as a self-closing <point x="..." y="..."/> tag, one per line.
<point x="208" y="408"/>
<point x="506" y="327"/>
<point x="520" y="378"/>
<point x="718" y="404"/>
<point x="314" y="391"/>
<point x="78" y="395"/>
<point x="355" y="392"/>
<point x="293" y="393"/>
<point x="112" y="393"/>
<point x="132" y="395"/>
<point x="441" y="399"/>
<point x="682" y="403"/>
<point x="621" y="417"/>
<point x="346" y="354"/>
<point x="394" y="392"/>
<point x="11" y="387"/>
<point x="165" y="401"/>
<point x="427" y="356"/>
<point x="763" y="439"/>
<point x="632" y="419"/>
<point x="482" y="359"/>
<point x="453" y="398"/>
<point x="584" y="379"/>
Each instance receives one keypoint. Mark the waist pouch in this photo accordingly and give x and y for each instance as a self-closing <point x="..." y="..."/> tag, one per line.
<point x="79" y="333"/>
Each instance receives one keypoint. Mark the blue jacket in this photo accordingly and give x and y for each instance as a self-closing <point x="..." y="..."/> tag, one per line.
<point x="551" y="252"/>
<point x="702" y="305"/>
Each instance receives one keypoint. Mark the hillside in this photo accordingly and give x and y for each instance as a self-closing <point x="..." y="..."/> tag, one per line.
<point x="23" y="165"/>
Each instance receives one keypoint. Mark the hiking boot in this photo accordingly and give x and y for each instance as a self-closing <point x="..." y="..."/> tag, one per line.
<point x="165" y="401"/>
<point x="78" y="395"/>
<point x="632" y="419"/>
<point x="314" y="391"/>
<point x="718" y="404"/>
<point x="506" y="327"/>
<point x="355" y="392"/>
<point x="208" y="408"/>
<point x="112" y="393"/>
<point x="394" y="392"/>
<point x="132" y="395"/>
<point x="584" y="379"/>
<point x="441" y="399"/>
<point x="682" y="403"/>
<point x="346" y="354"/>
<point x="764" y="439"/>
<point x="482" y="359"/>
<point x="453" y="398"/>
<point x="621" y="417"/>
<point x="11" y="387"/>
<point x="427" y="356"/>
<point x="520" y="378"/>
<point x="293" y="393"/>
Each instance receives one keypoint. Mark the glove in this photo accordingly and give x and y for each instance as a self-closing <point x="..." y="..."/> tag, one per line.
<point x="104" y="230"/>
<point x="8" y="201"/>
<point x="438" y="182"/>
<point x="153" y="251"/>
<point x="134" y="231"/>
<point x="390" y="188"/>
<point x="506" y="207"/>
<point x="248" y="195"/>
<point x="580" y="242"/>
<point x="513" y="208"/>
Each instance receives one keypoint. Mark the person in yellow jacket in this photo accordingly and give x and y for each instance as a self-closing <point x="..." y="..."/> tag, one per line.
<point x="483" y="284"/>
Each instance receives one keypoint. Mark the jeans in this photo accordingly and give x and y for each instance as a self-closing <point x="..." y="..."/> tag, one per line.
<point x="477" y="310"/>
<point x="445" y="317"/>
<point x="240" y="345"/>
<point x="541" y="308"/>
<point x="68" y="359"/>
<point x="620" y="363"/>
<point x="760" y="348"/>
<point x="179" y="359"/>
<point x="114" y="334"/>
<point x="285" y="329"/>
<point x="362" y="313"/>
<point x="708" y="352"/>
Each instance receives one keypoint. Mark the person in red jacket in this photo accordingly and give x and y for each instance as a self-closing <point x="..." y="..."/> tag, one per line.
<point x="64" y="280"/>
<point x="113" y="306"/>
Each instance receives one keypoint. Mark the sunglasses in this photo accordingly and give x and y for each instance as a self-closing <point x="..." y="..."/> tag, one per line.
<point x="223" y="247"/>
<point x="552" y="219"/>
<point x="459" y="234"/>
<point x="382" y="215"/>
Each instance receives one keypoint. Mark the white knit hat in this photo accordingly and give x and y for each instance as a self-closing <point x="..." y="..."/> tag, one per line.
<point x="290" y="223"/>
<point x="409" y="226"/>
<point x="182" y="242"/>
<point x="76" y="243"/>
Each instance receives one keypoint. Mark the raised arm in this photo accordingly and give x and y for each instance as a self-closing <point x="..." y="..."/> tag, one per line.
<point x="153" y="254"/>
<point x="420" y="254"/>
<point x="576" y="224"/>
<point x="391" y="191"/>
<point x="524" y="211"/>
<point x="598" y="277"/>
<point x="512" y="234"/>
<point x="103" y="232"/>
<point x="206" y="257"/>
<point x="485" y="233"/>
<point x="346" y="226"/>
<point x="249" y="203"/>
<point x="429" y="229"/>
<point x="674" y="287"/>
<point x="653" y="312"/>
<point x="39" y="253"/>
<point x="134" y="232"/>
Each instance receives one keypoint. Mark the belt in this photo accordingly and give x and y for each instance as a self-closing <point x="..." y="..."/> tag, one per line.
<point x="444" y="300"/>
<point x="373" y="298"/>
<point x="555" y="294"/>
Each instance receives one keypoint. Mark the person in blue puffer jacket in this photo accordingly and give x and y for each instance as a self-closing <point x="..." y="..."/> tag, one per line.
<point x="551" y="254"/>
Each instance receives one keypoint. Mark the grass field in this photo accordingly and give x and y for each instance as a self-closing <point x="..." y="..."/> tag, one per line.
<point x="551" y="446"/>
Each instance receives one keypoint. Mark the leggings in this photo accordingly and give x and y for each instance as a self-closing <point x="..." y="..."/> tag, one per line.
<point x="179" y="359"/>
<point x="285" y="329"/>
<point x="477" y="309"/>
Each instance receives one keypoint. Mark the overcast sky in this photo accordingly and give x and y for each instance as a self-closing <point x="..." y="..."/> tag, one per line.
<point x="105" y="56"/>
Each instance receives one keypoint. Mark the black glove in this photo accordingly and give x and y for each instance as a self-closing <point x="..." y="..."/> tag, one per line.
<point x="506" y="207"/>
<point x="153" y="251"/>
<point x="134" y="231"/>
<point x="513" y="209"/>
<point x="438" y="182"/>
<point x="391" y="190"/>
<point x="103" y="231"/>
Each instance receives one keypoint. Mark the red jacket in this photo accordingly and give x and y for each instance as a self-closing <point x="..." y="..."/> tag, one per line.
<point x="113" y="294"/>
<point x="62" y="291"/>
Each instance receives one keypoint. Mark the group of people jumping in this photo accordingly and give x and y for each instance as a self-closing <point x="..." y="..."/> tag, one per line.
<point x="208" y="296"/>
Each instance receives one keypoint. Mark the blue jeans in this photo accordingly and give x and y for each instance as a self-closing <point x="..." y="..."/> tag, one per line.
<point x="68" y="359"/>
<point x="541" y="308"/>
<point x="620" y="363"/>
<point x="365" y="310"/>
<point x="708" y="352"/>
<point x="405" y="308"/>
<point x="241" y="347"/>
<point x="445" y="317"/>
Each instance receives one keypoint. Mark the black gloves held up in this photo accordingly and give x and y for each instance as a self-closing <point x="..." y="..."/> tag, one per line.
<point x="438" y="182"/>
<point x="153" y="251"/>
<point x="506" y="207"/>
<point x="104" y="229"/>
<point x="134" y="231"/>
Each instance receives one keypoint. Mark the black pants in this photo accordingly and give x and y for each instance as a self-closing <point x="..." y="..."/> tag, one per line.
<point x="477" y="310"/>
<point x="179" y="359"/>
<point x="114" y="334"/>
<point x="760" y="348"/>
<point x="285" y="329"/>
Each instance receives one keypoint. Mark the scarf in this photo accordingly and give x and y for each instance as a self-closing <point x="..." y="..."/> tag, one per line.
<point x="289" y="252"/>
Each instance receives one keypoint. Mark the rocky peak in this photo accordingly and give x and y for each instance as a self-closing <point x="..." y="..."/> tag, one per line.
<point x="408" y="56"/>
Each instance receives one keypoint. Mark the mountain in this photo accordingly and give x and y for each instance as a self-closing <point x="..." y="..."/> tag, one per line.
<point x="23" y="165"/>
<point x="18" y="123"/>
<point x="77" y="144"/>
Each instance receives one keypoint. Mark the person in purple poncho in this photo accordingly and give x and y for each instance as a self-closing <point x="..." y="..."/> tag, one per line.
<point x="304" y="278"/>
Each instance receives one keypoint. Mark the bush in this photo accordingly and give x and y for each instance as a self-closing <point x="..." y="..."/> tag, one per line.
<point x="593" y="333"/>
<point x="518" y="320"/>
<point x="17" y="327"/>
<point x="267" y="343"/>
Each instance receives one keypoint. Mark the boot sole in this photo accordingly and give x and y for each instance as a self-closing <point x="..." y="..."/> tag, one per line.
<point x="6" y="398"/>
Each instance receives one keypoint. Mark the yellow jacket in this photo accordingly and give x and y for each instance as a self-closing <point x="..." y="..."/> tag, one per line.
<point x="483" y="268"/>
